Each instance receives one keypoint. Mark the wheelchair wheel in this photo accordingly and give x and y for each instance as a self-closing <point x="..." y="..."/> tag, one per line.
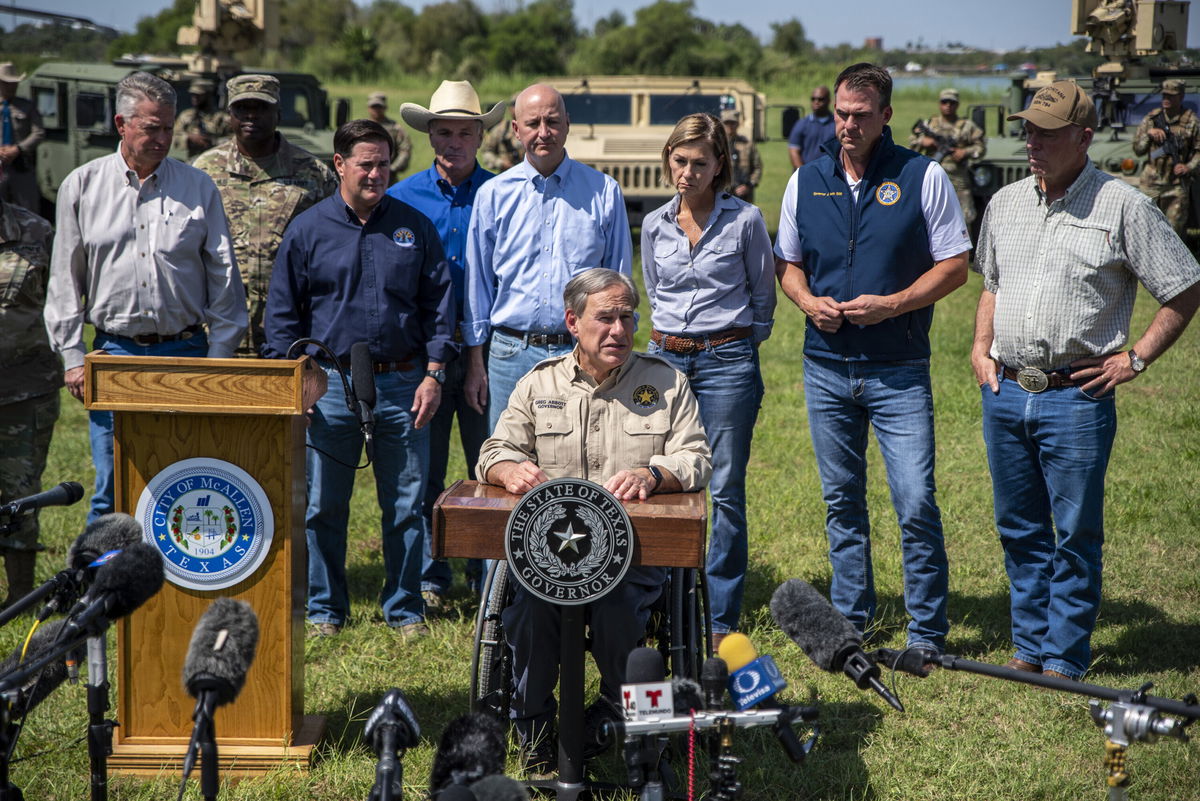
<point x="679" y="624"/>
<point x="491" y="663"/>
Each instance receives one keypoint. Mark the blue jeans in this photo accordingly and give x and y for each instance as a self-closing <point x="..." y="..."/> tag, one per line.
<point x="509" y="359"/>
<point x="728" y="385"/>
<point x="472" y="431"/>
<point x="1048" y="453"/>
<point x="401" y="464"/>
<point x="100" y="424"/>
<point x="844" y="399"/>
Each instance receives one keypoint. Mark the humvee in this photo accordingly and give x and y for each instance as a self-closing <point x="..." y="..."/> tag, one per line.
<point x="620" y="123"/>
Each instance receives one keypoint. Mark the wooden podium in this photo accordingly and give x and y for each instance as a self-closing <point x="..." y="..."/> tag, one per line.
<point x="250" y="413"/>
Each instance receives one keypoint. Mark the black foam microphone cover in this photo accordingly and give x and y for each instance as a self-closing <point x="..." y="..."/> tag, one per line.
<point x="46" y="680"/>
<point x="644" y="666"/>
<point x="222" y="650"/>
<point x="811" y="622"/>
<point x="686" y="695"/>
<point x="112" y="532"/>
<point x="455" y="792"/>
<point x="362" y="373"/>
<point x="472" y="747"/>
<point x="121" y="585"/>
<point x="714" y="678"/>
<point x="498" y="788"/>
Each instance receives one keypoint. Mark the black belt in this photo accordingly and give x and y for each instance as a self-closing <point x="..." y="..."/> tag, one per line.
<point x="1031" y="379"/>
<point x="536" y="339"/>
<point x="145" y="340"/>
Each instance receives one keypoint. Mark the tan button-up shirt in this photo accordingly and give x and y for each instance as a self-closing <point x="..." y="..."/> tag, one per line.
<point x="643" y="414"/>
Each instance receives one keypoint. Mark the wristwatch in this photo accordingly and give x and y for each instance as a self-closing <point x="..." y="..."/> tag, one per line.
<point x="658" y="478"/>
<point x="1136" y="362"/>
<point x="437" y="375"/>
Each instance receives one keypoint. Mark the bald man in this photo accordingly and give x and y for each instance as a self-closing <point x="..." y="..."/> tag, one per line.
<point x="533" y="228"/>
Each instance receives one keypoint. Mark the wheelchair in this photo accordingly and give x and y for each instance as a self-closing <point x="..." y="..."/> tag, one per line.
<point x="678" y="627"/>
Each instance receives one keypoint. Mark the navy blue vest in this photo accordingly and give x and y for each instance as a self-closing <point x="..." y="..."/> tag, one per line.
<point x="877" y="246"/>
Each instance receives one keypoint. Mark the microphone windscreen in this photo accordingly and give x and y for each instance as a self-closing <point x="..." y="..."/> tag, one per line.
<point x="811" y="622"/>
<point x="112" y="532"/>
<point x="714" y="670"/>
<point x="686" y="695"/>
<point x="129" y="579"/>
<point x="455" y="792"/>
<point x="472" y="747"/>
<point x="362" y="373"/>
<point x="737" y="651"/>
<point x="498" y="788"/>
<point x="393" y="709"/>
<point x="222" y="649"/>
<point x="644" y="666"/>
<point x="45" y="681"/>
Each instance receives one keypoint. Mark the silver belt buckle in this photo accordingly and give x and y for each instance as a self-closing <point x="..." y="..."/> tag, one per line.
<point x="1032" y="379"/>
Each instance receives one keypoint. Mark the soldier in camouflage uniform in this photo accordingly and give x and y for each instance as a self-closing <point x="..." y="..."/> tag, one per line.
<point x="1167" y="178"/>
<point x="203" y="125"/>
<point x="264" y="183"/>
<point x="747" y="164"/>
<point x="377" y="107"/>
<point x="963" y="143"/>
<point x="501" y="147"/>
<point x="30" y="375"/>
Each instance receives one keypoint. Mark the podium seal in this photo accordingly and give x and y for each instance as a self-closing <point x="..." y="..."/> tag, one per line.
<point x="210" y="520"/>
<point x="569" y="541"/>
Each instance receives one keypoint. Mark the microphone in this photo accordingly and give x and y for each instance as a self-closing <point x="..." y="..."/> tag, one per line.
<point x="38" y="686"/>
<point x="714" y="676"/>
<point x="496" y="787"/>
<point x="471" y="748"/>
<point x="646" y="692"/>
<point x="362" y="374"/>
<point x="391" y="728"/>
<point x="122" y="584"/>
<point x="64" y="494"/>
<point x="219" y="655"/>
<point x="826" y="636"/>
<point x="752" y="678"/>
<point x="686" y="696"/>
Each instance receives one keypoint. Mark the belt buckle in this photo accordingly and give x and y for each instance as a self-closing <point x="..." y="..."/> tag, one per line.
<point x="145" y="340"/>
<point x="1032" y="379"/>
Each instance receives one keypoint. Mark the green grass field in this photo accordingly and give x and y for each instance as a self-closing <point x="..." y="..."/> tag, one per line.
<point x="963" y="737"/>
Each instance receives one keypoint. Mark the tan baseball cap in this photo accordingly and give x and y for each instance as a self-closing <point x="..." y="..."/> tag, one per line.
<point x="1174" y="86"/>
<point x="252" y="87"/>
<point x="377" y="99"/>
<point x="949" y="94"/>
<point x="1058" y="105"/>
<point x="731" y="115"/>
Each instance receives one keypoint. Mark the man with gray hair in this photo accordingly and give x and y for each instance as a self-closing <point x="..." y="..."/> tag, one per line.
<point x="142" y="253"/>
<point x="626" y="420"/>
<point x="1061" y="253"/>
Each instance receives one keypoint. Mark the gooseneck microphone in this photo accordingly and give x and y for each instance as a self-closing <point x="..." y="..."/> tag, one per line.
<point x="219" y="656"/>
<point x="362" y="376"/>
<point x="826" y="636"/>
<point x="64" y="494"/>
<point x="391" y="729"/>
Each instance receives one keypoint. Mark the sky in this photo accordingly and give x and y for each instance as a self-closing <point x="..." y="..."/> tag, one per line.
<point x="980" y="23"/>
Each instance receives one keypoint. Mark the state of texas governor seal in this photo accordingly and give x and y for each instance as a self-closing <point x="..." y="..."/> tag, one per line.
<point x="569" y="541"/>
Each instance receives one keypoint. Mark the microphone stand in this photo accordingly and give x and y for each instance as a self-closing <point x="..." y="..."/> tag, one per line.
<point x="100" y="728"/>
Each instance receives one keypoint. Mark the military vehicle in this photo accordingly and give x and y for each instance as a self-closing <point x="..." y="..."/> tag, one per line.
<point x="620" y="123"/>
<point x="77" y="101"/>
<point x="1125" y="88"/>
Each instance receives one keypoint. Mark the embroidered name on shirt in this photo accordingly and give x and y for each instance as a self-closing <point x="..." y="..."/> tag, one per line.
<point x="549" y="403"/>
<point x="828" y="194"/>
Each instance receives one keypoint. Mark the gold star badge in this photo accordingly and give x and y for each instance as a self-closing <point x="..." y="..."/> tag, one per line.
<point x="645" y="396"/>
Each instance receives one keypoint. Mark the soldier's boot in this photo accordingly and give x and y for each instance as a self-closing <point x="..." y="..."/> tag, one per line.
<point x="19" y="566"/>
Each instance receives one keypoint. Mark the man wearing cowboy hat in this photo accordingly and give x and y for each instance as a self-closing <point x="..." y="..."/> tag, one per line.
<point x="20" y="132"/>
<point x="1061" y="254"/>
<point x="402" y="152"/>
<point x="533" y="228"/>
<point x="265" y="182"/>
<point x="445" y="193"/>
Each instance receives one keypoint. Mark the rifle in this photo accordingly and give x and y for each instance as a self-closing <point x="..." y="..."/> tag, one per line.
<point x="1171" y="147"/>
<point x="944" y="143"/>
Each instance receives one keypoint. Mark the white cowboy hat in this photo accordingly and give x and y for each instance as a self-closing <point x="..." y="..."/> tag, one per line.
<point x="453" y="100"/>
<point x="8" y="73"/>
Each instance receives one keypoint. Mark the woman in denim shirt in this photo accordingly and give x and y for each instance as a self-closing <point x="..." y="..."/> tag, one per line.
<point x="710" y="278"/>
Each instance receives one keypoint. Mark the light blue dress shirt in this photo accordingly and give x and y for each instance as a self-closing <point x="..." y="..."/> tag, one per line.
<point x="726" y="281"/>
<point x="530" y="235"/>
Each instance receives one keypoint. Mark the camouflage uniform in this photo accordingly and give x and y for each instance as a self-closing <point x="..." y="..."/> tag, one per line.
<point x="261" y="198"/>
<point x="214" y="123"/>
<point x="501" y="148"/>
<point x="30" y="376"/>
<point x="403" y="146"/>
<point x="967" y="135"/>
<point x="1158" y="181"/>
<point x="747" y="165"/>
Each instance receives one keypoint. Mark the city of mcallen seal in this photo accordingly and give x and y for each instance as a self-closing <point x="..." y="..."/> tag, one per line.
<point x="569" y="541"/>
<point x="210" y="520"/>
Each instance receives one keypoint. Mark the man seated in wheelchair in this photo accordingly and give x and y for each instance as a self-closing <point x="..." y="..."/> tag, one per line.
<point x="622" y="419"/>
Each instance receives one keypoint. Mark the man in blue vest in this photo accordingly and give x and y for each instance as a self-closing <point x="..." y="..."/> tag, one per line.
<point x="870" y="236"/>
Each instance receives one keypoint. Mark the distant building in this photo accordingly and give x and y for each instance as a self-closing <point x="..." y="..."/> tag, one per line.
<point x="873" y="43"/>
